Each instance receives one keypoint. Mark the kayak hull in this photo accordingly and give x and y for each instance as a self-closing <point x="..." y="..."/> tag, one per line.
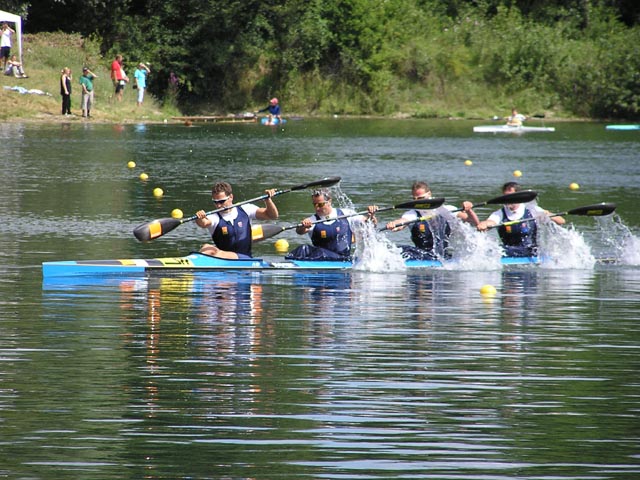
<point x="274" y="121"/>
<point x="195" y="262"/>
<point x="510" y="129"/>
<point x="623" y="127"/>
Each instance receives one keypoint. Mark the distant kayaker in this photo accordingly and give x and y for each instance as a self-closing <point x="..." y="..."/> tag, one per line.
<point x="518" y="239"/>
<point x="516" y="119"/>
<point x="274" y="111"/>
<point x="331" y="236"/>
<point x="431" y="235"/>
<point x="230" y="229"/>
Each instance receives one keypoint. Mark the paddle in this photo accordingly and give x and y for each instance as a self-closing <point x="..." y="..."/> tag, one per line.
<point x="157" y="228"/>
<point x="523" y="196"/>
<point x="595" y="210"/>
<point x="269" y="230"/>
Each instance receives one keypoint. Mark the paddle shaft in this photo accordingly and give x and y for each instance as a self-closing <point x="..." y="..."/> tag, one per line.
<point x="322" y="182"/>
<point x="157" y="228"/>
<point x="269" y="231"/>
<point x="516" y="197"/>
<point x="596" y="210"/>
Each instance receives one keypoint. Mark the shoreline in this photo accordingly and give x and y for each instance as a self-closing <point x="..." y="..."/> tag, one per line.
<point x="46" y="117"/>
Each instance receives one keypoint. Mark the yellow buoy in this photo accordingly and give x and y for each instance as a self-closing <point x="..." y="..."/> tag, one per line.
<point x="144" y="177"/>
<point x="488" y="290"/>
<point x="468" y="163"/>
<point x="158" y="192"/>
<point x="574" y="186"/>
<point x="282" y="246"/>
<point x="517" y="173"/>
<point x="131" y="164"/>
<point x="177" y="213"/>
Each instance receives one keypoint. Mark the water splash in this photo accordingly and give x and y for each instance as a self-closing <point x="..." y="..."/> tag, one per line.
<point x="619" y="243"/>
<point x="473" y="250"/>
<point x="375" y="252"/>
<point x="563" y="247"/>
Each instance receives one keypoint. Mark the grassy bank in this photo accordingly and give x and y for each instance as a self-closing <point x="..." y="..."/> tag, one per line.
<point x="44" y="56"/>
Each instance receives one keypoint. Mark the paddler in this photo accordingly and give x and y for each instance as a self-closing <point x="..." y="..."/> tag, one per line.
<point x="518" y="239"/>
<point x="516" y="119"/>
<point x="430" y="236"/>
<point x="274" y="111"/>
<point x="331" y="236"/>
<point x="230" y="229"/>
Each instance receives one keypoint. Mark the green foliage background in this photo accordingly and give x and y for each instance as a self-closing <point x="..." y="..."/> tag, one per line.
<point x="421" y="58"/>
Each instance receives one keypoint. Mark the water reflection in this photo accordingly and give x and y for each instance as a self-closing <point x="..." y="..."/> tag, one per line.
<point x="366" y="374"/>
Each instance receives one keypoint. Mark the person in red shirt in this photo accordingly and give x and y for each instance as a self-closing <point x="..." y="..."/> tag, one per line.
<point x="118" y="76"/>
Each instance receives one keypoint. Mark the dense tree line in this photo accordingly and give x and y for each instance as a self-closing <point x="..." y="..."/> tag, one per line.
<point x="421" y="57"/>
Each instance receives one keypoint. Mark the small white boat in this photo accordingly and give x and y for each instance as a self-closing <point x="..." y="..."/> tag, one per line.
<point x="510" y="129"/>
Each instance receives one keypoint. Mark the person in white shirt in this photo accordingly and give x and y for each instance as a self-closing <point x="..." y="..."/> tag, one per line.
<point x="5" y="44"/>
<point x="230" y="228"/>
<point x="331" y="230"/>
<point x="431" y="230"/>
<point x="519" y="239"/>
<point x="516" y="119"/>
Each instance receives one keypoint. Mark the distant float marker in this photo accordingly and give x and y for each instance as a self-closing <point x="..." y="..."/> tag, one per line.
<point x="131" y="164"/>
<point x="144" y="177"/>
<point x="177" y="213"/>
<point x="488" y="290"/>
<point x="574" y="186"/>
<point x="517" y="173"/>
<point x="468" y="163"/>
<point x="158" y="192"/>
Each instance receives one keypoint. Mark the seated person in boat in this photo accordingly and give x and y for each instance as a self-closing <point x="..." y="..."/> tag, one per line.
<point x="516" y="119"/>
<point x="230" y="228"/>
<point x="430" y="229"/>
<point x="274" y="111"/>
<point x="518" y="239"/>
<point x="331" y="230"/>
<point x="14" y="67"/>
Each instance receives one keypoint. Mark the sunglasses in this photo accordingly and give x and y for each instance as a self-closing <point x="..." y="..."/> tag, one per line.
<point x="221" y="201"/>
<point x="320" y="204"/>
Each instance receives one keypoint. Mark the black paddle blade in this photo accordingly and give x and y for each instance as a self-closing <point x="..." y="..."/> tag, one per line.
<point x="267" y="230"/>
<point x="422" y="204"/>
<point x="154" y="229"/>
<point x="517" y="197"/>
<point x="596" y="210"/>
<point x="325" y="182"/>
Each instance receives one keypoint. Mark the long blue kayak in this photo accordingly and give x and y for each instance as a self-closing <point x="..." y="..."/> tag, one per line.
<point x="197" y="262"/>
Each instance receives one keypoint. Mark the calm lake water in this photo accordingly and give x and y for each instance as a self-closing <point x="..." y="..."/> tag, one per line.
<point x="373" y="374"/>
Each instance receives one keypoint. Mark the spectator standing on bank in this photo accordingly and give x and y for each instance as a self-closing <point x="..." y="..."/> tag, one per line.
<point x="140" y="76"/>
<point x="119" y="77"/>
<point x="65" y="90"/>
<point x="86" y="83"/>
<point x="5" y="44"/>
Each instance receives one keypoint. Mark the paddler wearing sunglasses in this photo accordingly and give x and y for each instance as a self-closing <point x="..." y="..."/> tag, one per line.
<point x="230" y="228"/>
<point x="330" y="230"/>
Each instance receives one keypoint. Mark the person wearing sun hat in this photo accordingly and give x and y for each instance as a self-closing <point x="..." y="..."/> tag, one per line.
<point x="140" y="76"/>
